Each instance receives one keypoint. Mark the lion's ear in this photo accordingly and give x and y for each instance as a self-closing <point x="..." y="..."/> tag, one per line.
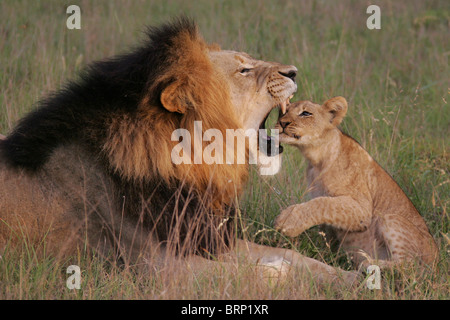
<point x="337" y="107"/>
<point x="174" y="98"/>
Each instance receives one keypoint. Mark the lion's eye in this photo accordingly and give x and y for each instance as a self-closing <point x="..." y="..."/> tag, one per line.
<point x="305" y="114"/>
<point x="245" y="70"/>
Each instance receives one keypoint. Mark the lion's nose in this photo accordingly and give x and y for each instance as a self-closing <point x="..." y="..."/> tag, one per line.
<point x="291" y="74"/>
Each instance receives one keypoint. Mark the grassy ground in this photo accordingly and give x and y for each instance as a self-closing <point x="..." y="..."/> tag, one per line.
<point x="396" y="79"/>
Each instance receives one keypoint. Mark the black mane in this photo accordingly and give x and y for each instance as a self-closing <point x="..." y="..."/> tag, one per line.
<point x="79" y="111"/>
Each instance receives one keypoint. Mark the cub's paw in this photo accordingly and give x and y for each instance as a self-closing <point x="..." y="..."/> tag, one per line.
<point x="289" y="222"/>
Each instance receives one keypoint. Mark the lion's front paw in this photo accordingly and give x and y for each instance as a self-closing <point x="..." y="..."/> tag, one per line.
<point x="288" y="222"/>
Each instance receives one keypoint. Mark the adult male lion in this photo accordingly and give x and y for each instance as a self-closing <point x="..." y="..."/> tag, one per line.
<point x="92" y="165"/>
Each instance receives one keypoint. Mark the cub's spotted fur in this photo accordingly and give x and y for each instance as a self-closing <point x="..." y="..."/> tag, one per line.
<point x="361" y="205"/>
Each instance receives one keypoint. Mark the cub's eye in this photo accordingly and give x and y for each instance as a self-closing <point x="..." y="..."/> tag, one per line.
<point x="305" y="114"/>
<point x="245" y="70"/>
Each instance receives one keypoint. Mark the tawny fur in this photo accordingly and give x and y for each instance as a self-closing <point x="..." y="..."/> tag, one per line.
<point x="353" y="196"/>
<point x="91" y="168"/>
<point x="139" y="147"/>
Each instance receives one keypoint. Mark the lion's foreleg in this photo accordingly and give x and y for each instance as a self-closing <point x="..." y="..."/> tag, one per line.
<point x="288" y="260"/>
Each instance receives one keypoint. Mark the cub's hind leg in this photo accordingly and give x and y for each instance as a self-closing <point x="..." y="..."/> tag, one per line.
<point x="405" y="241"/>
<point x="361" y="247"/>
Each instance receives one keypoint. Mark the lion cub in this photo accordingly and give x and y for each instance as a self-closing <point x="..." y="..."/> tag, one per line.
<point x="361" y="205"/>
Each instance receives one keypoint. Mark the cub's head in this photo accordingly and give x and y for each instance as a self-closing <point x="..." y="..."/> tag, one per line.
<point x="306" y="123"/>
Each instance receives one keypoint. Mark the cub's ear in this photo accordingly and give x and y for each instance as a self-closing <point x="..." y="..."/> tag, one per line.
<point x="337" y="107"/>
<point x="175" y="98"/>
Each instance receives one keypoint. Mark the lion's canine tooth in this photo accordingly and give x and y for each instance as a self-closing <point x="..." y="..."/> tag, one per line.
<point x="283" y="107"/>
<point x="284" y="104"/>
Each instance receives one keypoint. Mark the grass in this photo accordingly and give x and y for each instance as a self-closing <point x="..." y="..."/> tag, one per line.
<point x="396" y="81"/>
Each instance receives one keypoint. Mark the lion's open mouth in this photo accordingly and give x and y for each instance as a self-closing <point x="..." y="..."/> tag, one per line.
<point x="266" y="143"/>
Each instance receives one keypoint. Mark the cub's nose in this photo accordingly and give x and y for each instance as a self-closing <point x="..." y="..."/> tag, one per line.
<point x="284" y="123"/>
<point x="290" y="73"/>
